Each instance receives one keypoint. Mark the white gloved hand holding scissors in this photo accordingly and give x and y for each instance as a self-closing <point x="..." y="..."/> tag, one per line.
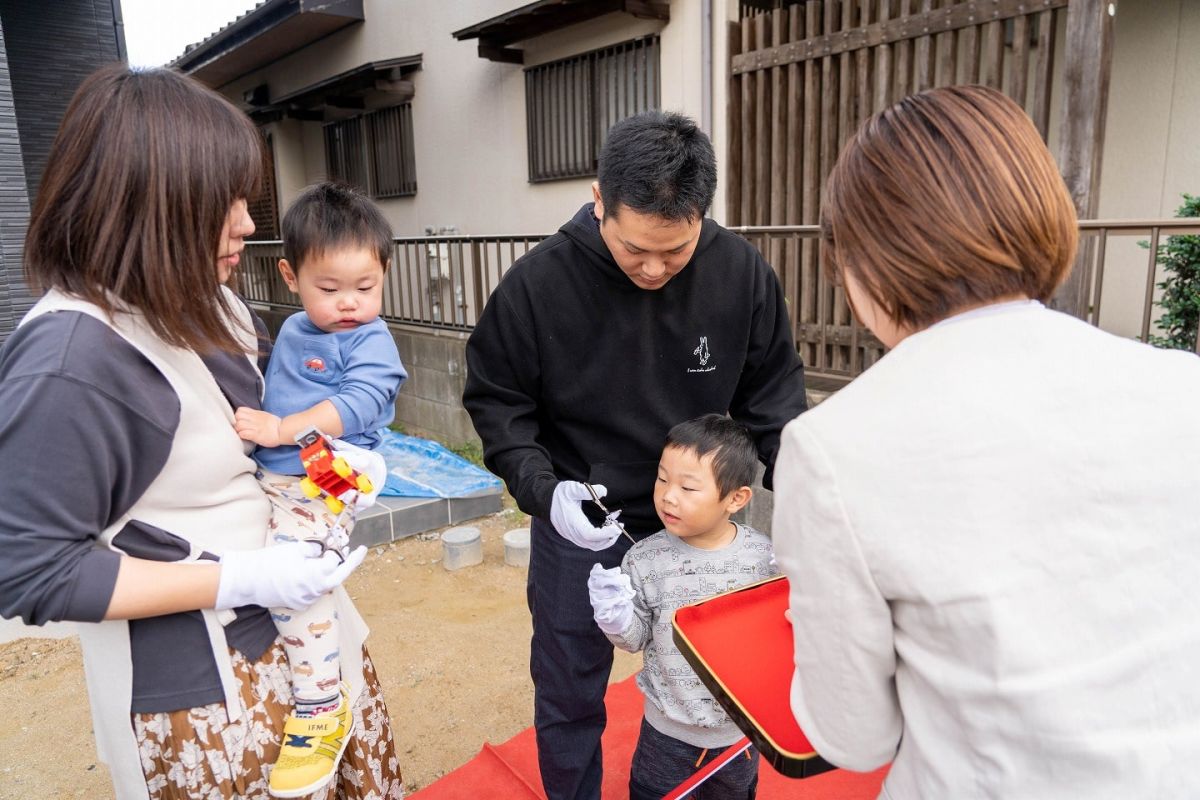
<point x="291" y="575"/>
<point x="566" y="514"/>
<point x="611" y="594"/>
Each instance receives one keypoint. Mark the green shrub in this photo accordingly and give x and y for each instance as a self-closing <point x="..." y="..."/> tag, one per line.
<point x="1180" y="301"/>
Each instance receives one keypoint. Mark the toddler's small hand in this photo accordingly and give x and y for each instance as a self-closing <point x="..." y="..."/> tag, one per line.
<point x="611" y="594"/>
<point x="256" y="426"/>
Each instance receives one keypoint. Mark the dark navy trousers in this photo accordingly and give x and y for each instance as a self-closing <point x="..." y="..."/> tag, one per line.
<point x="570" y="660"/>
<point x="661" y="764"/>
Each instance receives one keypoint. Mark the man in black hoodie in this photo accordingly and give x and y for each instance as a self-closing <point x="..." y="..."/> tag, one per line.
<point x="637" y="315"/>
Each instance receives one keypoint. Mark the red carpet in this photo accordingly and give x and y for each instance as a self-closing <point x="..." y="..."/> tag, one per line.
<point x="509" y="770"/>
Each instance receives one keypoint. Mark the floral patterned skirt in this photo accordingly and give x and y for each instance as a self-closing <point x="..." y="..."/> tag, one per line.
<point x="198" y="753"/>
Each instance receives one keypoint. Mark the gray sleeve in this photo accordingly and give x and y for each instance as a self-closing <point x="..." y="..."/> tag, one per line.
<point x="637" y="636"/>
<point x="88" y="425"/>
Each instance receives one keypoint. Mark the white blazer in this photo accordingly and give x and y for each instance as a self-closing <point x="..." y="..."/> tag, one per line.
<point x="993" y="539"/>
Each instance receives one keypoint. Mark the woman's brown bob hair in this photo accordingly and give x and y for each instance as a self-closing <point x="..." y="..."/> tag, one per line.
<point x="140" y="179"/>
<point x="948" y="199"/>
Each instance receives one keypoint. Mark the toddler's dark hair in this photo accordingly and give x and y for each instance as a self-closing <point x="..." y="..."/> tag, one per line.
<point x="734" y="458"/>
<point x="330" y="215"/>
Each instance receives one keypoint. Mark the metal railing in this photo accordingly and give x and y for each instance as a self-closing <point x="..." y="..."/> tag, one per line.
<point x="433" y="282"/>
<point x="443" y="282"/>
<point x="1095" y="235"/>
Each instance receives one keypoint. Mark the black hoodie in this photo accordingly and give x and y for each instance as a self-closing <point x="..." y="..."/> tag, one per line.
<point x="576" y="373"/>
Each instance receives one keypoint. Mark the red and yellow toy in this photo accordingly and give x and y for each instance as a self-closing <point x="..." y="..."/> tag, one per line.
<point x="327" y="473"/>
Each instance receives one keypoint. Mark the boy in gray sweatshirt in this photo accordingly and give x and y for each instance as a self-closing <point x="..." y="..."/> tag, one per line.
<point x="704" y="477"/>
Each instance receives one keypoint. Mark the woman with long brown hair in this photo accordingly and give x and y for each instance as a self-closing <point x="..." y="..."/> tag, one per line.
<point x="992" y="535"/>
<point x="135" y="506"/>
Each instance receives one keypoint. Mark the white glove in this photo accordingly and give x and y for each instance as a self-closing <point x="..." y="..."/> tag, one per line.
<point x="611" y="593"/>
<point x="369" y="463"/>
<point x="573" y="525"/>
<point x="292" y="575"/>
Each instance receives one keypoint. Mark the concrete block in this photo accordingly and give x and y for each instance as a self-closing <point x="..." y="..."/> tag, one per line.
<point x="417" y="412"/>
<point x="431" y="384"/>
<point x="465" y="508"/>
<point x="413" y="515"/>
<point x="373" y="526"/>
<point x="516" y="547"/>
<point x="458" y="426"/>
<point x="428" y="351"/>
<point x="462" y="547"/>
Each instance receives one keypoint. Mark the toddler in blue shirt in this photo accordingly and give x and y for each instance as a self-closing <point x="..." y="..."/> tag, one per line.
<point x="334" y="367"/>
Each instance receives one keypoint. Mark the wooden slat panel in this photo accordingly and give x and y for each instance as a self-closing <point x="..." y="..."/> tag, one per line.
<point x="883" y="63"/>
<point x="777" y="257"/>
<point x="862" y="69"/>
<point x="993" y="55"/>
<point x="1086" y="76"/>
<point x="762" y="148"/>
<point x="838" y="356"/>
<point x="1043" y="74"/>
<point x="904" y="57"/>
<point x="1018" y="68"/>
<point x="907" y="27"/>
<point x="846" y="84"/>
<point x="795" y="128"/>
<point x="829" y="143"/>
<point x="747" y="93"/>
<point x="923" y="55"/>
<point x="969" y="41"/>
<point x="807" y="311"/>
<point x="947" y="55"/>
<point x="778" y="213"/>
<point x="733" y="112"/>
<point x="836" y="334"/>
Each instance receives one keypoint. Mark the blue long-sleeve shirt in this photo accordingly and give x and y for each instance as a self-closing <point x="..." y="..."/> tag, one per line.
<point x="359" y="371"/>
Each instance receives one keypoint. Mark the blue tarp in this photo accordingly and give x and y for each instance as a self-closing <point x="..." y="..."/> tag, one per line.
<point x="421" y="468"/>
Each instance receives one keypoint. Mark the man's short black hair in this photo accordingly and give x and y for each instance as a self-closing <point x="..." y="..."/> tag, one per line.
<point x="331" y="215"/>
<point x="730" y="442"/>
<point x="657" y="163"/>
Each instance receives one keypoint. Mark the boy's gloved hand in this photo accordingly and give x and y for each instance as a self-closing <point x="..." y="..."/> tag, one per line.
<point x="367" y="462"/>
<point x="292" y="575"/>
<point x="611" y="593"/>
<point x="572" y="524"/>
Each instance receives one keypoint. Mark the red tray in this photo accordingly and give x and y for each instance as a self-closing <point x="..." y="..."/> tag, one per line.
<point x="740" y="646"/>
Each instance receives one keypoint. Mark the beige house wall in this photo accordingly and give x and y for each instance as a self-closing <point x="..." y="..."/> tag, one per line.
<point x="1151" y="148"/>
<point x="469" y="113"/>
<point x="470" y="137"/>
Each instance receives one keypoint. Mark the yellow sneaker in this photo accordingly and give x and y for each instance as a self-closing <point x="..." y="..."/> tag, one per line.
<point x="312" y="749"/>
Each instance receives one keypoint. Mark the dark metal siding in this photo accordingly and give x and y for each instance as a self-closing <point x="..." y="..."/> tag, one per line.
<point x="51" y="48"/>
<point x="48" y="49"/>
<point x="14" y="207"/>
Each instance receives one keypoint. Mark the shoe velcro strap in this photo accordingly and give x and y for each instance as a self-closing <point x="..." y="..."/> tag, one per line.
<point x="310" y="726"/>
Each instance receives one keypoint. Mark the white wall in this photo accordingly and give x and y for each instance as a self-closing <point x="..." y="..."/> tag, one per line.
<point x="1151" y="149"/>
<point x="469" y="113"/>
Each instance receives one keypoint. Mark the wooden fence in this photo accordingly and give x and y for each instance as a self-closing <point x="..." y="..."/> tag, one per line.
<point x="805" y="76"/>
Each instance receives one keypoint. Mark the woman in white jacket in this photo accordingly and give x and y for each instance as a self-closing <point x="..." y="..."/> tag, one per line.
<point x="993" y="535"/>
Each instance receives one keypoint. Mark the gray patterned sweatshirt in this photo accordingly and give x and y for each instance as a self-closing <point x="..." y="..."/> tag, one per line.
<point x="666" y="573"/>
